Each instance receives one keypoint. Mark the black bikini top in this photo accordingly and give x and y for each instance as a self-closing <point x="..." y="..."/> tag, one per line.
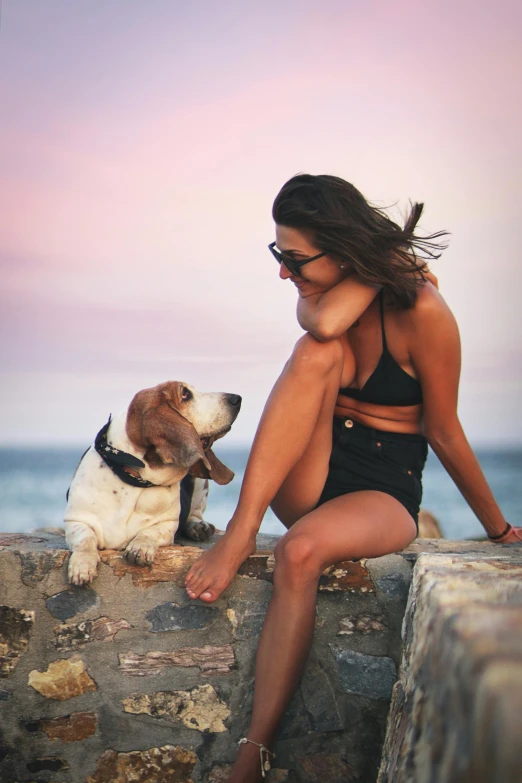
<point x="388" y="384"/>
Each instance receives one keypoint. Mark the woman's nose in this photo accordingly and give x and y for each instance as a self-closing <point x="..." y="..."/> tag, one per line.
<point x="284" y="274"/>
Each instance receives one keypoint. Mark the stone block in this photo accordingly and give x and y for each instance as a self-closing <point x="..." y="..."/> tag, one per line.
<point x="210" y="660"/>
<point x="167" y="764"/>
<point x="365" y="675"/>
<point x="18" y="539"/>
<point x="68" y="728"/>
<point x="220" y="773"/>
<point x="296" y="719"/>
<point x="362" y="623"/>
<point x="199" y="709"/>
<point x="496" y="723"/>
<point x="171" y="564"/>
<point x="63" y="679"/>
<point x="103" y="629"/>
<point x="350" y="576"/>
<point x="455" y="707"/>
<point x="258" y="566"/>
<point x="71" y="602"/>
<point x="15" y="631"/>
<point x="171" y="617"/>
<point x="47" y="764"/>
<point x="246" y="618"/>
<point x="36" y="565"/>
<point x="327" y="768"/>
<point x="278" y="775"/>
<point x="320" y="699"/>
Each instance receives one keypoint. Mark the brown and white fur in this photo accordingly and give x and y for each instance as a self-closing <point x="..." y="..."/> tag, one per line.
<point x="170" y="427"/>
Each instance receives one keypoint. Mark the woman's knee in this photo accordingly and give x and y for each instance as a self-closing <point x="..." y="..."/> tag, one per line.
<point x="311" y="355"/>
<point x="296" y="558"/>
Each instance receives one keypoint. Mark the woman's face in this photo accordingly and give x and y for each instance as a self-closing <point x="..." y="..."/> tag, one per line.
<point x="317" y="276"/>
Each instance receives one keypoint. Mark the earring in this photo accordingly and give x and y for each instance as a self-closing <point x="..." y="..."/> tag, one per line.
<point x="342" y="266"/>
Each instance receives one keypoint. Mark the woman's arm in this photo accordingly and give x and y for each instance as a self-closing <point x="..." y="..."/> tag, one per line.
<point x="436" y="357"/>
<point x="328" y="315"/>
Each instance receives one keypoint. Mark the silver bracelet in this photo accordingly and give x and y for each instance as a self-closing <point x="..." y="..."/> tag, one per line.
<point x="265" y="762"/>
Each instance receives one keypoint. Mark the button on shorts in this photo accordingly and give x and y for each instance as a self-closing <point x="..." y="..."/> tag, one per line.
<point x="363" y="458"/>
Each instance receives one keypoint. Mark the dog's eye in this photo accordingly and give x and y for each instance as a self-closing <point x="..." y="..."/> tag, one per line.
<point x="186" y="394"/>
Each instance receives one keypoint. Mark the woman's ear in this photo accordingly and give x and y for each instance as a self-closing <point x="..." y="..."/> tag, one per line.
<point x="212" y="468"/>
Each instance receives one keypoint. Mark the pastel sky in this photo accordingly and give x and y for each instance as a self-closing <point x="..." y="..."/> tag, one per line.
<point x="141" y="147"/>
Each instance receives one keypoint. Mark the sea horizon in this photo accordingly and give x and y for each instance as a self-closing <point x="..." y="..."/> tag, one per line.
<point x="34" y="480"/>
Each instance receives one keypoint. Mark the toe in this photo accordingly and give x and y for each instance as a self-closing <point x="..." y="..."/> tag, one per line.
<point x="195" y="589"/>
<point x="194" y="575"/>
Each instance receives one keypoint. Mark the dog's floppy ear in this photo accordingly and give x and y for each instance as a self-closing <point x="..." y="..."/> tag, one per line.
<point x="173" y="438"/>
<point x="216" y="470"/>
<point x="165" y="435"/>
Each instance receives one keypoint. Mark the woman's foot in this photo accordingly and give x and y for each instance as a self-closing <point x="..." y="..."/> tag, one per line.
<point x="215" y="569"/>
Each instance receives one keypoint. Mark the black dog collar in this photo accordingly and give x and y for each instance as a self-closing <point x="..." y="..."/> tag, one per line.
<point x="118" y="460"/>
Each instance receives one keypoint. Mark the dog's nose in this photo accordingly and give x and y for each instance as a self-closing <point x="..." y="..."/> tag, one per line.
<point x="234" y="400"/>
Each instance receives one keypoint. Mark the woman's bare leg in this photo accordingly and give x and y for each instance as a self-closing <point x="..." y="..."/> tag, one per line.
<point x="362" y="524"/>
<point x="292" y="444"/>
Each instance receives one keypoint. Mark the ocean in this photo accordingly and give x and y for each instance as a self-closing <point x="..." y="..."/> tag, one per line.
<point x="33" y="483"/>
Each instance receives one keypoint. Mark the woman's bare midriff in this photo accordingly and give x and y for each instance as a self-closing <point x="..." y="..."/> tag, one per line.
<point x="388" y="418"/>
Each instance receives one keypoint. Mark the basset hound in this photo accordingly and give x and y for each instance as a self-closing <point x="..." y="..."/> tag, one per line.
<point x="146" y="467"/>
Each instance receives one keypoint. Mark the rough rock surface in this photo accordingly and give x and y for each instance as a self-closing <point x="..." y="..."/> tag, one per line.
<point x="167" y="764"/>
<point x="331" y="767"/>
<point x="103" y="629"/>
<point x="362" y="623"/>
<point x="328" y="730"/>
<point x="67" y="603"/>
<point x="63" y="679"/>
<point x="15" y="632"/>
<point x="47" y="764"/>
<point x="37" y="565"/>
<point x="171" y="564"/>
<point x="210" y="660"/>
<point x="199" y="708"/>
<point x="352" y="576"/>
<point x="170" y="617"/>
<point x="69" y="728"/>
<point x="367" y="675"/>
<point x="455" y="715"/>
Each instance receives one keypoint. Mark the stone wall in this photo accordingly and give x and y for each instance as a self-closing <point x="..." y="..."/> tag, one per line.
<point x="457" y="707"/>
<point x="129" y="680"/>
<point x="130" y="674"/>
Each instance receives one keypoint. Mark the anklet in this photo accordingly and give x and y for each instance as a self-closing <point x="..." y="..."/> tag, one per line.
<point x="265" y="762"/>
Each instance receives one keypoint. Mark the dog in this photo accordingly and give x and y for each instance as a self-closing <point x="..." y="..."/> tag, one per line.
<point x="146" y="466"/>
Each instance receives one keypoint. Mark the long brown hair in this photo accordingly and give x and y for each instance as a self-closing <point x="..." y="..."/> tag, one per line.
<point x="350" y="229"/>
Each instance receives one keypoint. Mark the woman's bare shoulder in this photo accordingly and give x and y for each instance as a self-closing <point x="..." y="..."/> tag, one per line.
<point x="430" y="305"/>
<point x="431" y="316"/>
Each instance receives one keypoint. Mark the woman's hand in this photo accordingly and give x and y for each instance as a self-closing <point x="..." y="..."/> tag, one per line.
<point x="328" y="315"/>
<point x="513" y="535"/>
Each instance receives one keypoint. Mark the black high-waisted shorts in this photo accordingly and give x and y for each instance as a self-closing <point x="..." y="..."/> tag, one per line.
<point x="364" y="458"/>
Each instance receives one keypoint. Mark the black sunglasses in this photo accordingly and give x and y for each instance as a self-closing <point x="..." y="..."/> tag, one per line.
<point x="291" y="264"/>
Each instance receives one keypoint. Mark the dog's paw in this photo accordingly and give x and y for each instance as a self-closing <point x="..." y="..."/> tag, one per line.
<point x="198" y="530"/>
<point x="83" y="567"/>
<point x="140" y="552"/>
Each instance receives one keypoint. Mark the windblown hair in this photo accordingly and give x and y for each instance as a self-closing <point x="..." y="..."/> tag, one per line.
<point x="348" y="228"/>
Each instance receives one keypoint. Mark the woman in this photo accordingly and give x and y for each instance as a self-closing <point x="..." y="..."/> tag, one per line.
<point x="381" y="360"/>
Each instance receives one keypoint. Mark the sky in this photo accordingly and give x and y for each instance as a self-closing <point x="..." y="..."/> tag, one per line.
<point x="142" y="145"/>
